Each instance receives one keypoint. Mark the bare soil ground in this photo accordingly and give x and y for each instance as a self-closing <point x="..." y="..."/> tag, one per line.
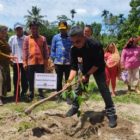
<point x="51" y="125"/>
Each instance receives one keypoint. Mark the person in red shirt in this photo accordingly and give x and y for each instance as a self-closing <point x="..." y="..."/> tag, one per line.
<point x="35" y="56"/>
<point x="112" y="59"/>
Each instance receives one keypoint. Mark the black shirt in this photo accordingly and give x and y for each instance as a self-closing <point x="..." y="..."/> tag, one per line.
<point x="92" y="54"/>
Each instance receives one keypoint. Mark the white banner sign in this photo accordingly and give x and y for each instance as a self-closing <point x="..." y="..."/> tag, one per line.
<point x="45" y="80"/>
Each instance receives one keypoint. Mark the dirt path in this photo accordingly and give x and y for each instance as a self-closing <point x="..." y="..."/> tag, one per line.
<point x="51" y="125"/>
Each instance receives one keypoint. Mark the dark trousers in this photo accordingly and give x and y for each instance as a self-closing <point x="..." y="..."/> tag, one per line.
<point x="32" y="69"/>
<point x="103" y="88"/>
<point x="60" y="69"/>
<point x="23" y="78"/>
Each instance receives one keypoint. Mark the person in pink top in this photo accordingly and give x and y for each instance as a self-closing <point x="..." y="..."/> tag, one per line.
<point x="112" y="59"/>
<point x="130" y="61"/>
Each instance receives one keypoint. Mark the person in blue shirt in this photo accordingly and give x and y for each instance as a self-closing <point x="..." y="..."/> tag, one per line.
<point x="60" y="53"/>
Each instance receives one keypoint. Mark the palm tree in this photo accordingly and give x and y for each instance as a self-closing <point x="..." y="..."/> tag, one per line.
<point x="110" y="15"/>
<point x="73" y="12"/>
<point x="34" y="15"/>
<point x="105" y="16"/>
<point x="121" y="18"/>
<point x="105" y="13"/>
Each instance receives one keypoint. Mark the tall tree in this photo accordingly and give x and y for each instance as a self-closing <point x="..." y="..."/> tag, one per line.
<point x="96" y="27"/>
<point x="134" y="16"/>
<point x="73" y="12"/>
<point x="121" y="18"/>
<point x="105" y="13"/>
<point x="63" y="18"/>
<point x="80" y="23"/>
<point x="131" y="25"/>
<point x="112" y="22"/>
<point x="34" y="15"/>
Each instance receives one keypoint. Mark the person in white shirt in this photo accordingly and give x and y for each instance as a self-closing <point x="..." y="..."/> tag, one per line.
<point x="16" y="43"/>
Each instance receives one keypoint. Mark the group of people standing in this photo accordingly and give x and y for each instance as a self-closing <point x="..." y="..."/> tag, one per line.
<point x="31" y="54"/>
<point x="71" y="50"/>
<point x="128" y="61"/>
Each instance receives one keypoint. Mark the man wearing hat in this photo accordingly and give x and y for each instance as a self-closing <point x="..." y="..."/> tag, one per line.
<point x="60" y="53"/>
<point x="16" y="43"/>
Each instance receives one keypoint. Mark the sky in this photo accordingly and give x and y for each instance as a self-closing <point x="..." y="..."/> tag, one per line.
<point x="89" y="11"/>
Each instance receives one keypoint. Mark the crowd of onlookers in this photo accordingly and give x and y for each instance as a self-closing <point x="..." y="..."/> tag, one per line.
<point x="124" y="66"/>
<point x="32" y="53"/>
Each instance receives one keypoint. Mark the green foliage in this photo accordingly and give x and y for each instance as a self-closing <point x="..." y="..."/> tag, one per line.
<point x="79" y="113"/>
<point x="64" y="95"/>
<point x="118" y="29"/>
<point x="69" y="94"/>
<point x="73" y="95"/>
<point x="97" y="27"/>
<point x="80" y="23"/>
<point x="48" y="32"/>
<point x="112" y="22"/>
<point x="106" y="39"/>
<point x="80" y="99"/>
<point x="131" y="26"/>
<point x="63" y="18"/>
<point x="34" y="15"/>
<point x="10" y="33"/>
<point x="128" y="98"/>
<point x="85" y="95"/>
<point x="19" y="109"/>
<point x="115" y="28"/>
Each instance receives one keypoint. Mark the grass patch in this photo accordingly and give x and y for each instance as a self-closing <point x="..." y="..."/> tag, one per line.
<point x="120" y="84"/>
<point x="130" y="118"/>
<point x="17" y="107"/>
<point x="92" y="94"/>
<point x="122" y="98"/>
<point x="128" y="98"/>
<point x="47" y="105"/>
<point x="23" y="126"/>
<point x="133" y="118"/>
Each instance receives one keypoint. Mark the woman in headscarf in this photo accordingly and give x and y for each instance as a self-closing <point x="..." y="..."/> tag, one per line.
<point x="130" y="61"/>
<point x="112" y="59"/>
<point x="4" y="63"/>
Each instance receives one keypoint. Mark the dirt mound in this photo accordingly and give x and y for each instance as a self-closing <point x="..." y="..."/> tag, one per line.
<point x="91" y="125"/>
<point x="52" y="125"/>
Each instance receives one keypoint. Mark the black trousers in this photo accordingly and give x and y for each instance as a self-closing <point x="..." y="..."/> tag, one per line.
<point x="32" y="69"/>
<point x="23" y="78"/>
<point x="103" y="88"/>
<point x="60" y="70"/>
